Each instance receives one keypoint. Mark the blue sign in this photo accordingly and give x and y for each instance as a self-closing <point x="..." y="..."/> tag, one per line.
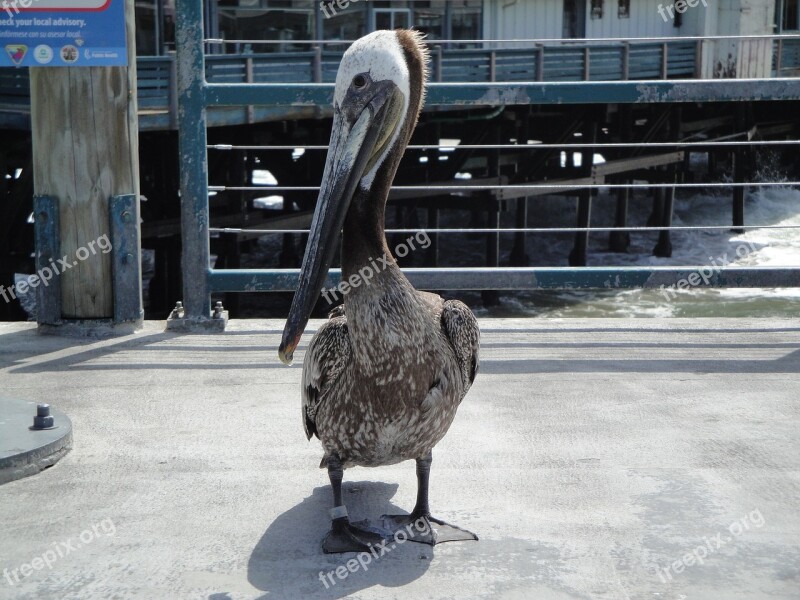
<point x="62" y="33"/>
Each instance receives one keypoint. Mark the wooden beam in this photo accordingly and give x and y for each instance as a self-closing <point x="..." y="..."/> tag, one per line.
<point x="85" y="149"/>
<point x="624" y="165"/>
<point x="560" y="186"/>
<point x="705" y="124"/>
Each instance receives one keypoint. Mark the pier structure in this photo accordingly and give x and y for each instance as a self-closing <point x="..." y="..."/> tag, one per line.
<point x="621" y="101"/>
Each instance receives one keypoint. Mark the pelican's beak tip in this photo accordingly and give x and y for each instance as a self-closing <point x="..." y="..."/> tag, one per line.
<point x="288" y="345"/>
<point x="286" y="356"/>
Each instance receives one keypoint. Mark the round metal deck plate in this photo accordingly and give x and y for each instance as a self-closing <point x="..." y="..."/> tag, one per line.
<point x="25" y="451"/>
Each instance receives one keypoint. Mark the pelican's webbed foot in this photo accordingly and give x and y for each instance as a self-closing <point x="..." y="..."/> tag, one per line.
<point x="426" y="529"/>
<point x="345" y="536"/>
<point x="420" y="526"/>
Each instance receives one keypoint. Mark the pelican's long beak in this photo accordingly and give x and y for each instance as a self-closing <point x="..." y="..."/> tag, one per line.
<point x="362" y="126"/>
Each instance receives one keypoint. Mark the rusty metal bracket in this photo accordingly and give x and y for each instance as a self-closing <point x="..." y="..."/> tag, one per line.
<point x="123" y="216"/>
<point x="48" y="243"/>
<point x="181" y="322"/>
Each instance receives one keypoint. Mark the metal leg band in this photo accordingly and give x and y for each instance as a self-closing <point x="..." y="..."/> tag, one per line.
<point x="338" y="512"/>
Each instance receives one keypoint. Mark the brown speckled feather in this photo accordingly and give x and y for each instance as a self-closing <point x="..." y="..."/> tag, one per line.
<point x="461" y="328"/>
<point x="325" y="360"/>
<point x="383" y="384"/>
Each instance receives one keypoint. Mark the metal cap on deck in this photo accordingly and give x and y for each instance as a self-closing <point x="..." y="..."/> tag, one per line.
<point x="32" y="438"/>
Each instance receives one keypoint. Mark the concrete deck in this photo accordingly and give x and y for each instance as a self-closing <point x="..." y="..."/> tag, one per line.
<point x="590" y="456"/>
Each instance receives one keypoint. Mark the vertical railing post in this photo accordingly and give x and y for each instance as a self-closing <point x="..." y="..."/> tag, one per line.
<point x="439" y="63"/>
<point x="316" y="66"/>
<point x="172" y="93"/>
<point x="626" y="60"/>
<point x="492" y="66"/>
<point x="248" y="77"/>
<point x="779" y="58"/>
<point x="586" y="60"/>
<point x="539" y="62"/>
<point x="664" y="60"/>
<point x="195" y="252"/>
<point x="698" y="59"/>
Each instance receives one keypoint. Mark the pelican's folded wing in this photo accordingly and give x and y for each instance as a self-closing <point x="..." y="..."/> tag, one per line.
<point x="461" y="328"/>
<point x="328" y="354"/>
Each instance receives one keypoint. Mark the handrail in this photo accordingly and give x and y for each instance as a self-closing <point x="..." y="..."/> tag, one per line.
<point x="197" y="95"/>
<point x="463" y="230"/>
<point x="693" y="38"/>
<point x="639" y="59"/>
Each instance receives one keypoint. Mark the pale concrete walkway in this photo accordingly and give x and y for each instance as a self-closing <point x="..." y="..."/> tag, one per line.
<point x="588" y="456"/>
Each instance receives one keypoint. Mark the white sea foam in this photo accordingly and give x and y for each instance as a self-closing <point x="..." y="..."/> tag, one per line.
<point x="765" y="247"/>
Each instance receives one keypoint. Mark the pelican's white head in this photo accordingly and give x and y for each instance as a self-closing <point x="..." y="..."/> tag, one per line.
<point x="375" y="60"/>
<point x="377" y="57"/>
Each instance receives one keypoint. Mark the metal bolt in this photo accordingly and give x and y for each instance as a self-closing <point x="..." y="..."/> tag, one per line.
<point x="43" y="420"/>
<point x="218" y="310"/>
<point x="177" y="312"/>
<point x="126" y="217"/>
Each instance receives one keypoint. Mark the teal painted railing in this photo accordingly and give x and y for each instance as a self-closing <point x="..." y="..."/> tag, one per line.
<point x="196" y="95"/>
<point x="543" y="61"/>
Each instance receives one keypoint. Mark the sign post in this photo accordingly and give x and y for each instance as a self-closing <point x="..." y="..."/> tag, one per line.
<point x="85" y="145"/>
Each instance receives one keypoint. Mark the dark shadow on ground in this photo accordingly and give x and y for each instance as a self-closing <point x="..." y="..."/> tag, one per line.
<point x="699" y="356"/>
<point x="18" y="347"/>
<point x="647" y="326"/>
<point x="288" y="561"/>
<point x="790" y="363"/>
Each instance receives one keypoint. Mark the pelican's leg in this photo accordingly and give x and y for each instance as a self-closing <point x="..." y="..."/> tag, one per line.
<point x="345" y="536"/>
<point x="420" y="526"/>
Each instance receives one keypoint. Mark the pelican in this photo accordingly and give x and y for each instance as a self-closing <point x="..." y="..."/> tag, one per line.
<point x="384" y="376"/>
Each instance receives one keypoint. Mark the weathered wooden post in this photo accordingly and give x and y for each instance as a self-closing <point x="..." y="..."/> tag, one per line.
<point x="580" y="249"/>
<point x="619" y="241"/>
<point x="664" y="246"/>
<point x="86" y="182"/>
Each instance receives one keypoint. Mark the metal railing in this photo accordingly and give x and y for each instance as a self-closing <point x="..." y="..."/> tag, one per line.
<point x="540" y="61"/>
<point x="612" y="59"/>
<point x="196" y="95"/>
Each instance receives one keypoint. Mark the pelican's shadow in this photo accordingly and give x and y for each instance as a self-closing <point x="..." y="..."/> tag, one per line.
<point x="288" y="561"/>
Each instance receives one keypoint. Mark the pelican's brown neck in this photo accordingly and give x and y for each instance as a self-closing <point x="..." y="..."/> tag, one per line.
<point x="363" y="236"/>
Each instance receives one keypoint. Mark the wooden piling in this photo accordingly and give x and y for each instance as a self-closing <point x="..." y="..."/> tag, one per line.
<point x="580" y="249"/>
<point x="493" y="214"/>
<point x="619" y="241"/>
<point x="741" y="167"/>
<point x="663" y="248"/>
<point x="85" y="150"/>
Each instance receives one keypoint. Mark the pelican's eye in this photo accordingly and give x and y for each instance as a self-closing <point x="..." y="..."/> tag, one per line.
<point x="359" y="82"/>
